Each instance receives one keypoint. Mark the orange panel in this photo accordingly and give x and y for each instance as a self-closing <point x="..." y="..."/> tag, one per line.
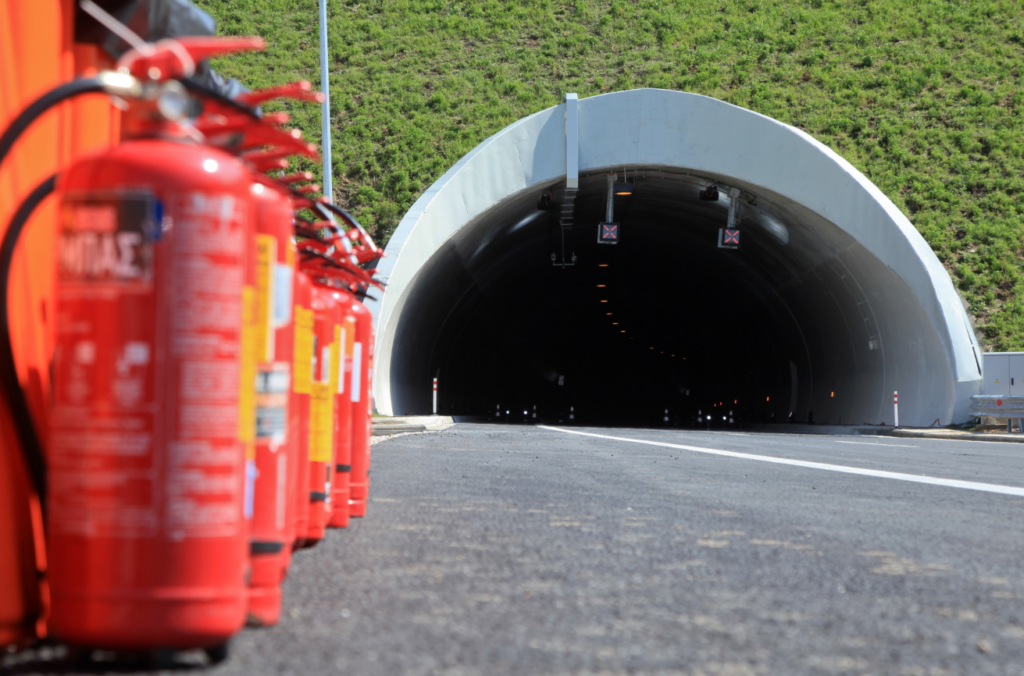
<point x="94" y="120"/>
<point x="35" y="55"/>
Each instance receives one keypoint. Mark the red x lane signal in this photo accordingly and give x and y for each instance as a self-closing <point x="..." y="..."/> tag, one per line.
<point x="607" y="233"/>
<point x="728" y="238"/>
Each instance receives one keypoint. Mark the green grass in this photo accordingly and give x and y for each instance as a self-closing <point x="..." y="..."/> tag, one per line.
<point x="924" y="97"/>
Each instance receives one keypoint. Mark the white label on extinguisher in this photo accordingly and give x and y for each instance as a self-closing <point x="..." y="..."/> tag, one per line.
<point x="209" y="482"/>
<point x="341" y="362"/>
<point x="250" y="487"/>
<point x="325" y="363"/>
<point x="282" y="294"/>
<point x="357" y="367"/>
<point x="103" y="454"/>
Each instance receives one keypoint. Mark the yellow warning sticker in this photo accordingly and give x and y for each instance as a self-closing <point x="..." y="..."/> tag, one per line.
<point x="289" y="254"/>
<point x="303" y="376"/>
<point x="247" y="376"/>
<point x="266" y="257"/>
<point x="337" y="365"/>
<point x="321" y="423"/>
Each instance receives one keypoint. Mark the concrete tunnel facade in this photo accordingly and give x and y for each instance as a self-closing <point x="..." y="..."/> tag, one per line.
<point x="833" y="302"/>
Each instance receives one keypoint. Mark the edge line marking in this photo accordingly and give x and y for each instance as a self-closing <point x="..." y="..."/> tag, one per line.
<point x="877" y="473"/>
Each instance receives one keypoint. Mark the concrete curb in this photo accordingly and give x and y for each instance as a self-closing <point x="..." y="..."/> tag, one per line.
<point x="958" y="435"/>
<point x="799" y="428"/>
<point x="402" y="424"/>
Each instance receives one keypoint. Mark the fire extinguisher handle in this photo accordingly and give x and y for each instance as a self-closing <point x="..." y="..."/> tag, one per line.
<point x="174" y="58"/>
<point x="31" y="447"/>
<point x="202" y="47"/>
<point x="301" y="90"/>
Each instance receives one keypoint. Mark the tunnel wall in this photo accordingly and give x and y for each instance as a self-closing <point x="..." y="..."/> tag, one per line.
<point x="674" y="130"/>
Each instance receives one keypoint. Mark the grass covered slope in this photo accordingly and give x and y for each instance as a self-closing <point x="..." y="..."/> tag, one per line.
<point x="922" y="96"/>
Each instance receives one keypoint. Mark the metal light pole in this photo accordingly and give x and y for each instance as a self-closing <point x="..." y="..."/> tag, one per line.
<point x="325" y="110"/>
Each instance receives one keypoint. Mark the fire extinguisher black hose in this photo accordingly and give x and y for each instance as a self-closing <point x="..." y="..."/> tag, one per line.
<point x="31" y="447"/>
<point x="87" y="85"/>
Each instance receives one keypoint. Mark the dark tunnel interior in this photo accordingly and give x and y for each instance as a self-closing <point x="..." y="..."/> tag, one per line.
<point x="801" y="323"/>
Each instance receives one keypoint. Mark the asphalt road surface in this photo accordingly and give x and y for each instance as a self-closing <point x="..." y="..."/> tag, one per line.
<point x="494" y="549"/>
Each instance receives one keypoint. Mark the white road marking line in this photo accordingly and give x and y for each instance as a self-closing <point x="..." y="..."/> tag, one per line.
<point x="871" y="443"/>
<point x="934" y="481"/>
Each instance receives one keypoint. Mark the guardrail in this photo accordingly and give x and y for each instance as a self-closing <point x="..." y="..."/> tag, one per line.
<point x="998" y="406"/>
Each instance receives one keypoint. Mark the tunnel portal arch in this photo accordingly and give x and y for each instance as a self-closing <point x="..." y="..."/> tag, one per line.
<point x="840" y="299"/>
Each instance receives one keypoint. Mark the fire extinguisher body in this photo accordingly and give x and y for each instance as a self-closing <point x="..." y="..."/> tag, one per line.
<point x="322" y="419"/>
<point x="147" y="533"/>
<point x="362" y="409"/>
<point x="341" y="482"/>
<point x="302" y="387"/>
<point x="272" y="530"/>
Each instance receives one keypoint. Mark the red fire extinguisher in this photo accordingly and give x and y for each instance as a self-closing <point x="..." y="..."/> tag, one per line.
<point x="302" y="387"/>
<point x="147" y="534"/>
<point x="341" y="485"/>
<point x="272" y="529"/>
<point x="334" y="261"/>
<point x="322" y="418"/>
<point x="362" y="409"/>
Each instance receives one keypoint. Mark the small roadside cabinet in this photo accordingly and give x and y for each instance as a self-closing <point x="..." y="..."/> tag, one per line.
<point x="1016" y="373"/>
<point x="1004" y="373"/>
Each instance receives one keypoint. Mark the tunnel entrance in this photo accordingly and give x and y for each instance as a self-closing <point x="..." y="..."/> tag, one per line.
<point x="665" y="319"/>
<point x="832" y="302"/>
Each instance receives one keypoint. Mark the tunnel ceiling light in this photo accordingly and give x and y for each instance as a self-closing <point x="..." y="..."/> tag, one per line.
<point x="615" y="323"/>
<point x="624" y="189"/>
<point x="604" y="301"/>
<point x="767" y="398"/>
<point x="608" y="314"/>
<point x="601" y="286"/>
<point x="833" y="394"/>
<point x="622" y="331"/>
<point x="735" y="401"/>
<point x="602" y="265"/>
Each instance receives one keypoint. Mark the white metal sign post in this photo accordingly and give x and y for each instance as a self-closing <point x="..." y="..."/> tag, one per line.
<point x="325" y="109"/>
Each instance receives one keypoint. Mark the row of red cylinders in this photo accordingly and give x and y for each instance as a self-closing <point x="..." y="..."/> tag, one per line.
<point x="212" y="403"/>
<point x="312" y="429"/>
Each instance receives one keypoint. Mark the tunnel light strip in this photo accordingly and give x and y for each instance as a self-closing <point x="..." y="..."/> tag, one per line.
<point x="880" y="474"/>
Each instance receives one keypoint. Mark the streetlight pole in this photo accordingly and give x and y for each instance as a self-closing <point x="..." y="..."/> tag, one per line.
<point x="325" y="109"/>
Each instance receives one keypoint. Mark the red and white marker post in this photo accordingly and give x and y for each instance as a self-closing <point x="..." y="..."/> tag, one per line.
<point x="435" y="396"/>
<point x="896" y="406"/>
